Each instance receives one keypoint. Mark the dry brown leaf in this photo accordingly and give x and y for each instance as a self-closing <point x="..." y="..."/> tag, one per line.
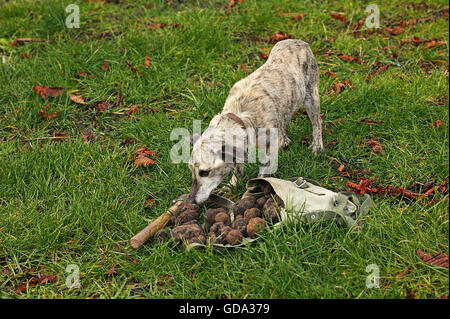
<point x="46" y="91"/>
<point x="278" y="36"/>
<point x="339" y="17"/>
<point x="373" y="143"/>
<point x="142" y="161"/>
<point x="105" y="65"/>
<point x="77" y="99"/>
<point x="436" y="124"/>
<point x="439" y="259"/>
<point x="147" y="61"/>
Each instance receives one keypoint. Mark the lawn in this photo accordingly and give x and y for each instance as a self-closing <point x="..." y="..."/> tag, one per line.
<point x="71" y="196"/>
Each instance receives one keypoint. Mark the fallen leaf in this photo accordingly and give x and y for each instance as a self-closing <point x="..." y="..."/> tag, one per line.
<point x="329" y="73"/>
<point x="348" y="58"/>
<point x="380" y="69"/>
<point x="371" y="122"/>
<point x="278" y="36"/>
<point x="77" y="99"/>
<point x="439" y="259"/>
<point x="142" y="161"/>
<point x="404" y="272"/>
<point x="395" y="31"/>
<point x="436" y="124"/>
<point x="46" y="91"/>
<point x="20" y="41"/>
<point x="111" y="271"/>
<point x="105" y="65"/>
<point x="266" y="56"/>
<point x="341" y="168"/>
<point x="132" y="111"/>
<point x="102" y="106"/>
<point x="44" y="112"/>
<point x="147" y="61"/>
<point x="244" y="68"/>
<point x="373" y="143"/>
<point x="132" y="68"/>
<point x="358" y="25"/>
<point x="339" y="17"/>
<point x="435" y="43"/>
<point x="338" y="87"/>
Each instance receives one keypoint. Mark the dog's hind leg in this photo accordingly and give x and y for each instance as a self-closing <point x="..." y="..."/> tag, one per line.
<point x="312" y="106"/>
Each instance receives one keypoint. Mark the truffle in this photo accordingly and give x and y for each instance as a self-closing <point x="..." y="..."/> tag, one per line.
<point x="210" y="215"/>
<point x="234" y="236"/>
<point x="252" y="213"/>
<point x="191" y="232"/>
<point x="255" y="226"/>
<point x="223" y="218"/>
<point x="243" y="204"/>
<point x="240" y="224"/>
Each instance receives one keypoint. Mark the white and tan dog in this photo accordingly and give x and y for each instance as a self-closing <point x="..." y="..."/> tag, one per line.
<point x="267" y="98"/>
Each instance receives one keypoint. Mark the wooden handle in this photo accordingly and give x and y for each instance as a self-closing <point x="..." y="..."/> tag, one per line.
<point x="140" y="238"/>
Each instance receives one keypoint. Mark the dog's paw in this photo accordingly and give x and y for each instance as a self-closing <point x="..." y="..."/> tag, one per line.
<point x="286" y="142"/>
<point x="316" y="148"/>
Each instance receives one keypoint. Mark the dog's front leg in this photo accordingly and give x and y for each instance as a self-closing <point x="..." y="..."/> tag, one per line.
<point x="237" y="174"/>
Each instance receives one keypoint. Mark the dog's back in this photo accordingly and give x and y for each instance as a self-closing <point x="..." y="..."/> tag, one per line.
<point x="272" y="94"/>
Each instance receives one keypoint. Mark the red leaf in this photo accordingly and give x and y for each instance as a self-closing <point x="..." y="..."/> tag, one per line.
<point x="339" y="17"/>
<point x="278" y="36"/>
<point x="440" y="259"/>
<point x="111" y="271"/>
<point x="373" y="143"/>
<point x="46" y="91"/>
<point x="436" y="124"/>
<point x="435" y="43"/>
<point x="329" y="73"/>
<point x="266" y="56"/>
<point x="20" y="41"/>
<point x="371" y="122"/>
<point x="404" y="272"/>
<point x="77" y="99"/>
<point x="105" y="65"/>
<point x="142" y="161"/>
<point x="132" y="111"/>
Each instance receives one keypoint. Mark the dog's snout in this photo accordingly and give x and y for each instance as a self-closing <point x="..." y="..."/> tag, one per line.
<point x="193" y="192"/>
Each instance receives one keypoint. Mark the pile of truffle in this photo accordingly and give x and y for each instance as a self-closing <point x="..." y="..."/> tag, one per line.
<point x="251" y="216"/>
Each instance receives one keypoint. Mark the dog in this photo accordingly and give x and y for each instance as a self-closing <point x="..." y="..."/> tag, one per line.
<point x="266" y="99"/>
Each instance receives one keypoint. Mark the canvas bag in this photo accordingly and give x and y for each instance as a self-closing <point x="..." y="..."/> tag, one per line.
<point x="305" y="201"/>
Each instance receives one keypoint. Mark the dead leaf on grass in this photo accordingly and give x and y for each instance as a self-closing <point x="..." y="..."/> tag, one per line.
<point x="439" y="259"/>
<point x="339" y="17"/>
<point x="46" y="91"/>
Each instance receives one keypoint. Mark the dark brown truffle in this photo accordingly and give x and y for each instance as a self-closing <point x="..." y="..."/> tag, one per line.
<point x="270" y="211"/>
<point x="243" y="204"/>
<point x="234" y="236"/>
<point x="252" y="213"/>
<point x="260" y="202"/>
<point x="181" y="209"/>
<point x="223" y="218"/>
<point x="255" y="226"/>
<point x="241" y="225"/>
<point x="210" y="215"/>
<point x="192" y="232"/>
<point x="187" y="216"/>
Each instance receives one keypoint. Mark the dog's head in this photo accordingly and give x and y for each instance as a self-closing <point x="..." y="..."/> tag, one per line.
<point x="212" y="159"/>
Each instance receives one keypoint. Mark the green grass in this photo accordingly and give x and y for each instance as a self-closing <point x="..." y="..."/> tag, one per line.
<point x="78" y="202"/>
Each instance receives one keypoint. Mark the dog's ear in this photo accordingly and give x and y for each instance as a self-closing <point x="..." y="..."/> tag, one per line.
<point x="192" y="139"/>
<point x="233" y="154"/>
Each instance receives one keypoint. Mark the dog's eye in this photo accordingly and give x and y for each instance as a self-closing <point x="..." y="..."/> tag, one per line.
<point x="203" y="173"/>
